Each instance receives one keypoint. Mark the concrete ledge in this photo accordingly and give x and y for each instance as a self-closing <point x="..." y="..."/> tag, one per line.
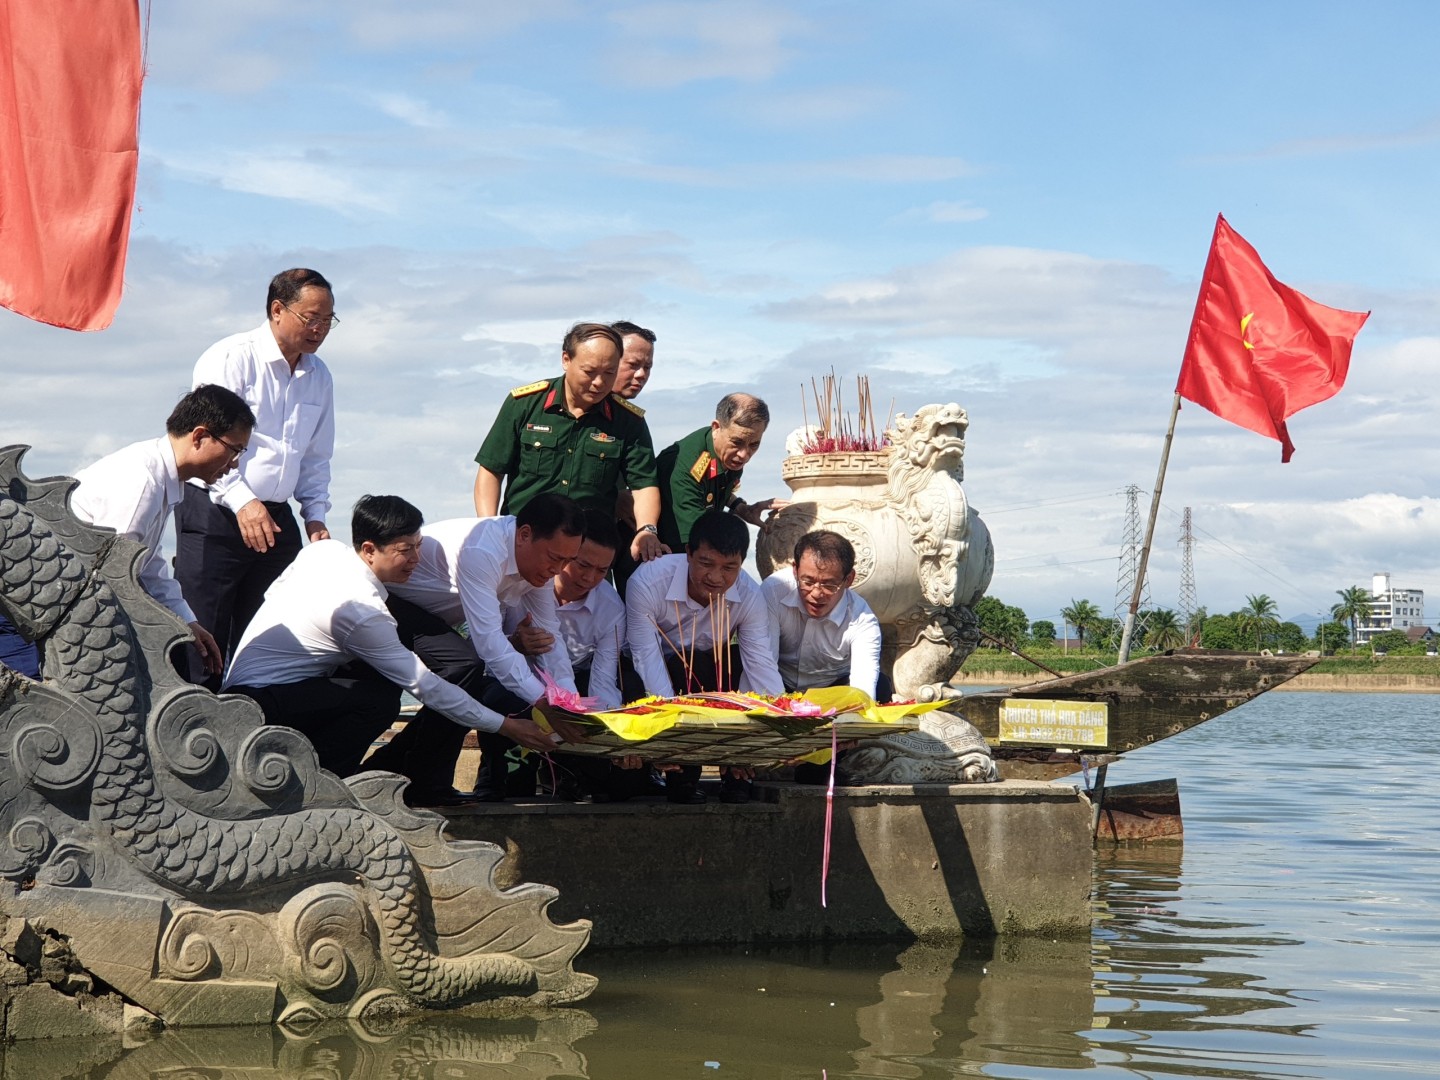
<point x="930" y="862"/>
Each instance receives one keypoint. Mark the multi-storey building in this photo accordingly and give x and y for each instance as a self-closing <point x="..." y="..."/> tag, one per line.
<point x="1390" y="609"/>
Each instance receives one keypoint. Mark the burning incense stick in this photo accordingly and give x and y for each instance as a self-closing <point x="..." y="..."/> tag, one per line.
<point x="837" y="430"/>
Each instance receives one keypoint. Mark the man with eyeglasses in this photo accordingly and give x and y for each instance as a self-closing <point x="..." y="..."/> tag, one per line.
<point x="825" y="632"/>
<point x="237" y="536"/>
<point x="324" y="653"/>
<point x="133" y="490"/>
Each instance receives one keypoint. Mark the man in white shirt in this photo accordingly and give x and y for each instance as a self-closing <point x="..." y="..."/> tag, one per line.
<point x="323" y="654"/>
<point x="681" y="613"/>
<point x="470" y="570"/>
<point x="824" y="631"/>
<point x="134" y="490"/>
<point x="592" y="632"/>
<point x="234" y="539"/>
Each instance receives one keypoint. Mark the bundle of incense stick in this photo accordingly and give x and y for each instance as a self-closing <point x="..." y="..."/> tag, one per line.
<point x="720" y="642"/>
<point x="837" y="431"/>
<point x="720" y="630"/>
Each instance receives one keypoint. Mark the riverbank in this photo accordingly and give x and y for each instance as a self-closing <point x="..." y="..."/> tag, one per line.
<point x="1389" y="675"/>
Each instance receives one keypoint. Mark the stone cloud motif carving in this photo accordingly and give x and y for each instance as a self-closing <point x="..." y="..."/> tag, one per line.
<point x="201" y="862"/>
<point x="923" y="557"/>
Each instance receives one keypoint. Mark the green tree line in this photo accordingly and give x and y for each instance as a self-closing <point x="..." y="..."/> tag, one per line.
<point x="1254" y="627"/>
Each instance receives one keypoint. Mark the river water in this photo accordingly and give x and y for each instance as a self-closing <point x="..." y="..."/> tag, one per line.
<point x="1296" y="933"/>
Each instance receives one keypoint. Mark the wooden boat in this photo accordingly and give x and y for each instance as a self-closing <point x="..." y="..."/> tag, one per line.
<point x="1151" y="698"/>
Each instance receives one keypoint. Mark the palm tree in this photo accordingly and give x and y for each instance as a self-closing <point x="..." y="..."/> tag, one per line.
<point x="1165" y="631"/>
<point x="1195" y="628"/>
<point x="1082" y="615"/>
<point x="1354" y="605"/>
<point x="1258" y="615"/>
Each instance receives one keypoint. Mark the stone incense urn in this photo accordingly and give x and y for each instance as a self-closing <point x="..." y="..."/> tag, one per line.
<point x="922" y="556"/>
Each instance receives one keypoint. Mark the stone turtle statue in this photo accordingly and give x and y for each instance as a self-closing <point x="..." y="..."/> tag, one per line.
<point x="945" y="750"/>
<point x="198" y="860"/>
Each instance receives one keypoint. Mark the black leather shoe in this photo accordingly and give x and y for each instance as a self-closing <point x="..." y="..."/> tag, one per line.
<point x="684" y="794"/>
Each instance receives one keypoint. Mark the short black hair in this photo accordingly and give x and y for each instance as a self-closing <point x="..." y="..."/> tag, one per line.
<point x="549" y="513"/>
<point x="383" y="519"/>
<point x="827" y="546"/>
<point x="215" y="408"/>
<point x="584" y="331"/>
<point x="725" y="533"/>
<point x="625" y="328"/>
<point x="600" y="529"/>
<point x="747" y="410"/>
<point x="286" y="286"/>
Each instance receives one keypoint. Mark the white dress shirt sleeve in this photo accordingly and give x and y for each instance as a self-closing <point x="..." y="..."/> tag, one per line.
<point x="124" y="498"/>
<point x="375" y="641"/>
<point x="540" y="603"/>
<point x="643" y="598"/>
<point x="757" y="655"/>
<point x="605" y="663"/>
<point x="772" y="595"/>
<point x="225" y="367"/>
<point x="864" y="635"/>
<point x="312" y="486"/>
<point x="478" y="576"/>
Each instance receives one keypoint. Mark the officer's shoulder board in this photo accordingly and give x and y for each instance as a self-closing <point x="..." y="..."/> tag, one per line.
<point x="529" y="388"/>
<point x="636" y="409"/>
<point x="697" y="471"/>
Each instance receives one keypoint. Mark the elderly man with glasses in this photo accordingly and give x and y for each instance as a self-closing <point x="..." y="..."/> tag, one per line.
<point x="236" y="536"/>
<point x="825" y="634"/>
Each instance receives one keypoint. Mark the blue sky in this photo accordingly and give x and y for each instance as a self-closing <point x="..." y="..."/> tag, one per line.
<point x="1003" y="205"/>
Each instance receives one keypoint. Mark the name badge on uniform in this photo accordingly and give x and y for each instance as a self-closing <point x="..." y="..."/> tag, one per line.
<point x="538" y="427"/>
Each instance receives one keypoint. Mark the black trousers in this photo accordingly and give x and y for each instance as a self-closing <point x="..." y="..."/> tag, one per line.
<point x="427" y="749"/>
<point x="223" y="581"/>
<point x="341" y="714"/>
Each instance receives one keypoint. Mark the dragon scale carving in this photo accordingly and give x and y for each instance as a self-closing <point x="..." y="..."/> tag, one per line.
<point x="119" y="776"/>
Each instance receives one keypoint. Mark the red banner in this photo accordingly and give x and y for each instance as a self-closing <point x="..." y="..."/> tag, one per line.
<point x="69" y="117"/>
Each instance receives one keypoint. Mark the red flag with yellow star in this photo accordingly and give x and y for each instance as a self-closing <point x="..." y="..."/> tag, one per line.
<point x="1259" y="351"/>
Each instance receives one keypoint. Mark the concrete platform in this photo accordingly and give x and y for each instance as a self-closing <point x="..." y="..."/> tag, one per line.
<point x="927" y="862"/>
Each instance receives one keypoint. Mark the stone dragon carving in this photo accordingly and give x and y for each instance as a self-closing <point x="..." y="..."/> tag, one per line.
<point x="923" y="556"/>
<point x="199" y="860"/>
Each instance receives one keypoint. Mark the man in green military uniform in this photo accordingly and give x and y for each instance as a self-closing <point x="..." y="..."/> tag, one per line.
<point x="702" y="470"/>
<point x="572" y="436"/>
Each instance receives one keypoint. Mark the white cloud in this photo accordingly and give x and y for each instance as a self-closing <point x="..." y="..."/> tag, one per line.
<point x="410" y="110"/>
<point x="670" y="44"/>
<point x="287" y="176"/>
<point x="947" y="213"/>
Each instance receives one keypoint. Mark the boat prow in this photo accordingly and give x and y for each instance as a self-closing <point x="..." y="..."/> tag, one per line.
<point x="1151" y="698"/>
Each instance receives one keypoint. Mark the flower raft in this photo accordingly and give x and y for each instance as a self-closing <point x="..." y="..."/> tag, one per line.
<point x="739" y="729"/>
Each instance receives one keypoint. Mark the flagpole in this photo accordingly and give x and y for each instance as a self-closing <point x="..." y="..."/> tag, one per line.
<point x="1149" y="536"/>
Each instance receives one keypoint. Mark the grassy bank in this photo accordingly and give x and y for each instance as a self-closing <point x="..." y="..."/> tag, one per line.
<point x="1360" y="672"/>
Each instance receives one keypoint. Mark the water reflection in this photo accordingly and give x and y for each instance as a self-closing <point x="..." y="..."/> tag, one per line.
<point x="1180" y="992"/>
<point x="1293" y="936"/>
<point x="1157" y="988"/>
<point x="452" y="1047"/>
